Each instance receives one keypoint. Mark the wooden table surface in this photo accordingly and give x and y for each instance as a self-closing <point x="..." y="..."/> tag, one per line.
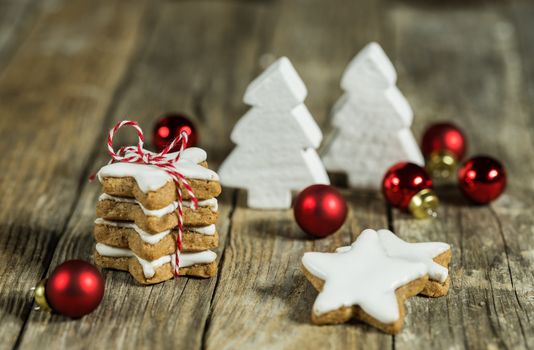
<point x="69" y="69"/>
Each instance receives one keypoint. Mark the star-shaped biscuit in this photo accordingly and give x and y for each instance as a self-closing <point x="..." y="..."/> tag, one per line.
<point x="362" y="281"/>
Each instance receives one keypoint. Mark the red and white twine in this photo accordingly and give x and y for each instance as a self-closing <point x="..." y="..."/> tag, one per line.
<point x="137" y="154"/>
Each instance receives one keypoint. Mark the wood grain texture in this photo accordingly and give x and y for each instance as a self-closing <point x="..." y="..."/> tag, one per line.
<point x="522" y="29"/>
<point x="16" y="19"/>
<point x="70" y="69"/>
<point x="133" y="316"/>
<point x="320" y="43"/>
<point x="198" y="59"/>
<point x="263" y="300"/>
<point x="51" y="108"/>
<point x="489" y="294"/>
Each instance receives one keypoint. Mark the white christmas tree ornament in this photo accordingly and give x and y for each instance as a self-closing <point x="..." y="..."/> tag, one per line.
<point x="276" y="141"/>
<point x="372" y="121"/>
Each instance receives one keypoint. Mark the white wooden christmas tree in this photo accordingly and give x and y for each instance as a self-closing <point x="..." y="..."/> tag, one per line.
<point x="372" y="121"/>
<point x="276" y="141"/>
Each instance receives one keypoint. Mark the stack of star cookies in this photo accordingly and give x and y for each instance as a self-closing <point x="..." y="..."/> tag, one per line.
<point x="136" y="225"/>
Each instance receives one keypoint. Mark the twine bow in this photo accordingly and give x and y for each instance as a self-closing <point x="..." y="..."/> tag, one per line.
<point x="137" y="154"/>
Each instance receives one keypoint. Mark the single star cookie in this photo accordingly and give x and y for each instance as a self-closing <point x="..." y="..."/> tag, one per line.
<point x="435" y="255"/>
<point x="363" y="282"/>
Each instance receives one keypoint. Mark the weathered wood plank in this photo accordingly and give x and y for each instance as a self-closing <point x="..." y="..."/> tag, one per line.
<point x="514" y="213"/>
<point x="462" y="65"/>
<point x="174" y="70"/>
<point x="131" y="316"/>
<point x="198" y="61"/>
<point x="53" y="96"/>
<point x="515" y="222"/>
<point x="521" y="14"/>
<point x="263" y="299"/>
<point x="16" y="17"/>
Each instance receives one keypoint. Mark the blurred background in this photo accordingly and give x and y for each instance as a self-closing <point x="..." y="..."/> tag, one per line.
<point x="75" y="67"/>
<point x="70" y="69"/>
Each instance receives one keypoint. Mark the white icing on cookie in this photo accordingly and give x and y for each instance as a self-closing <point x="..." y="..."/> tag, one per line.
<point x="422" y="252"/>
<point x="192" y="154"/>
<point x="190" y="259"/>
<point x="343" y="249"/>
<point x="159" y="212"/>
<point x="149" y="267"/>
<point x="148" y="212"/>
<point x="122" y="224"/>
<point x="148" y="177"/>
<point x="194" y="171"/>
<point x="361" y="275"/>
<point x="154" y="238"/>
<point x="113" y="252"/>
<point x="150" y="238"/>
<point x="205" y="230"/>
<point x="105" y="196"/>
<point x="211" y="202"/>
<point x="151" y="178"/>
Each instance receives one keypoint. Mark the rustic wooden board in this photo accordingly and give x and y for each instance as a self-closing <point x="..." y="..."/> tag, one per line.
<point x="263" y="300"/>
<point x="53" y="95"/>
<point x="521" y="15"/>
<point x="131" y="315"/>
<point x="70" y="69"/>
<point x="197" y="59"/>
<point x="134" y="316"/>
<point x="320" y="43"/>
<point x="16" y="18"/>
<point x="515" y="213"/>
<point x="489" y="292"/>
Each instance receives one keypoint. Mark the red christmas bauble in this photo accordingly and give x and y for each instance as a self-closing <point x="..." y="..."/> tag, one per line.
<point x="320" y="210"/>
<point x="407" y="186"/>
<point x="75" y="288"/>
<point x="170" y="126"/>
<point x="443" y="146"/>
<point x="482" y="179"/>
<point x="444" y="137"/>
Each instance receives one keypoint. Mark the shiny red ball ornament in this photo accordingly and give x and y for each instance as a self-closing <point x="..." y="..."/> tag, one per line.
<point x="170" y="126"/>
<point x="407" y="186"/>
<point x="320" y="210"/>
<point x="444" y="146"/>
<point x="482" y="179"/>
<point x="75" y="288"/>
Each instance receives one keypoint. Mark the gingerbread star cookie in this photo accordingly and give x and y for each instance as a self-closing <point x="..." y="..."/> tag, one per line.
<point x="136" y="229"/>
<point x="364" y="282"/>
